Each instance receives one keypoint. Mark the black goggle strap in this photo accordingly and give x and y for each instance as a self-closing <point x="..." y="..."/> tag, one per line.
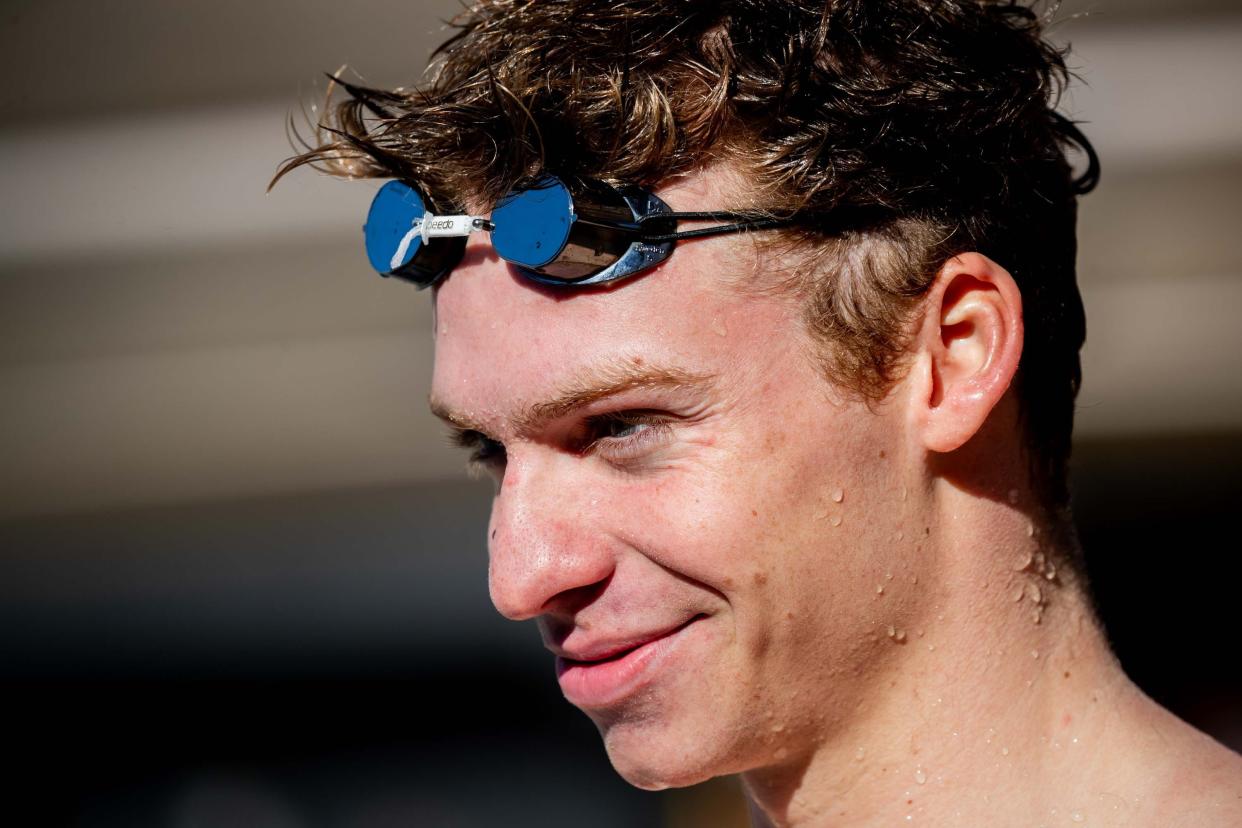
<point x="737" y="222"/>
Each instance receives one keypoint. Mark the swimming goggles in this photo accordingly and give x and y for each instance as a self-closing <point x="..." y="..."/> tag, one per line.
<point x="592" y="234"/>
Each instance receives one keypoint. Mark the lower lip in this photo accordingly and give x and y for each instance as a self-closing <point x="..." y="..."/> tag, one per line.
<point x="597" y="684"/>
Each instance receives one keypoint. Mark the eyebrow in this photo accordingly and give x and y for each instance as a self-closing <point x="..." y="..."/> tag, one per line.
<point x="591" y="385"/>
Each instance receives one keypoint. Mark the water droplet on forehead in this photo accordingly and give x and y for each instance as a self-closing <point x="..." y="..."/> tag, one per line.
<point x="920" y="776"/>
<point x="838" y="495"/>
<point x="1077" y="816"/>
<point x="836" y="520"/>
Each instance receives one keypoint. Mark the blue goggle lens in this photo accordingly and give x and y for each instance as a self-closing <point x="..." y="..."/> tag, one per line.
<point x="393" y="212"/>
<point x="532" y="226"/>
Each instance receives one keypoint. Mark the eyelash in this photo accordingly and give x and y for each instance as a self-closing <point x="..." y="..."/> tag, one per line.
<point x="486" y="452"/>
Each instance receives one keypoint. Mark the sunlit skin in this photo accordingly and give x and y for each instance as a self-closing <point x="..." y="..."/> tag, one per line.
<point x="847" y="597"/>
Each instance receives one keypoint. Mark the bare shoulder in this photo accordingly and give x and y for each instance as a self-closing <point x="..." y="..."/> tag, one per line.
<point x="1200" y="780"/>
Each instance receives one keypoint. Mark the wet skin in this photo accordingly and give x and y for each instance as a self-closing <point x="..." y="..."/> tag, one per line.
<point x="738" y="568"/>
<point x="701" y="497"/>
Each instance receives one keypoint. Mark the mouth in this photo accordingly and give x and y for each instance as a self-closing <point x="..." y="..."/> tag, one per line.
<point x="605" y="681"/>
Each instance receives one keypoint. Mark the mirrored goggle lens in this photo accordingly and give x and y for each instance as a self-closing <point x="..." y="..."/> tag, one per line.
<point x="391" y="231"/>
<point x="532" y="226"/>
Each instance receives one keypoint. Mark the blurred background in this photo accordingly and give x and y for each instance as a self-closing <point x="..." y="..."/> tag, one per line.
<point x="242" y="577"/>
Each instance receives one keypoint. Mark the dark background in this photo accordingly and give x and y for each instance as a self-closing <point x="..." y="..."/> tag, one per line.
<point x="242" y="581"/>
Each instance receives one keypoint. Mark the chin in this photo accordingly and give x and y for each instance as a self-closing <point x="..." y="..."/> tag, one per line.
<point x="655" y="756"/>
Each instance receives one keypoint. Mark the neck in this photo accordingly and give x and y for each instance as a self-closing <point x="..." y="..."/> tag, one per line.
<point x="1002" y="696"/>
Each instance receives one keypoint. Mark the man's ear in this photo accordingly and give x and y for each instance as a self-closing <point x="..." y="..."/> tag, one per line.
<point x="967" y="347"/>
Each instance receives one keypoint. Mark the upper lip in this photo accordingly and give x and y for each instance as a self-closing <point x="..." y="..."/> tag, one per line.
<point x="600" y="648"/>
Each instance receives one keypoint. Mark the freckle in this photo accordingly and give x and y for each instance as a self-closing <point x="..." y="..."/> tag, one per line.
<point x="1067" y="673"/>
<point x="754" y="513"/>
<point x="790" y="616"/>
<point x="1066" y="719"/>
<point x="728" y="582"/>
<point x="882" y="454"/>
<point x="761" y="578"/>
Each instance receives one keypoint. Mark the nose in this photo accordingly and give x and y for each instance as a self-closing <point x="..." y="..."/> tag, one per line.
<point x="545" y="553"/>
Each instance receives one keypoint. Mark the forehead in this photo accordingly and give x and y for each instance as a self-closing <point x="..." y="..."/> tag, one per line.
<point x="503" y="342"/>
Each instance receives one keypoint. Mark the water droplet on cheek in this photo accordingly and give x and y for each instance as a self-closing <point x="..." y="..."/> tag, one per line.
<point x="835" y="520"/>
<point x="920" y="776"/>
<point x="838" y="495"/>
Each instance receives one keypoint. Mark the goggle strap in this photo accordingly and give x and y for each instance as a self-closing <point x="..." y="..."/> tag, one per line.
<point x="430" y="226"/>
<point x="748" y="224"/>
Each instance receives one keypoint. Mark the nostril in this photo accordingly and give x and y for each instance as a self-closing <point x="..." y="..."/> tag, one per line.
<point x="575" y="599"/>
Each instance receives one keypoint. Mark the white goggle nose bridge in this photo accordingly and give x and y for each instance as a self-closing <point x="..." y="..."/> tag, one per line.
<point x="430" y="226"/>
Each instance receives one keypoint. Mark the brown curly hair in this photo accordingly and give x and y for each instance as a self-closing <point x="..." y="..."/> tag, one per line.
<point x="931" y="122"/>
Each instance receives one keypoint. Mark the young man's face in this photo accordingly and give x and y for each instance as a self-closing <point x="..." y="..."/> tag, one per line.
<point x="710" y="536"/>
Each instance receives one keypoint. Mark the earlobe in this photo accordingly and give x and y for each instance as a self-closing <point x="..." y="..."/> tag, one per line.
<point x="969" y="346"/>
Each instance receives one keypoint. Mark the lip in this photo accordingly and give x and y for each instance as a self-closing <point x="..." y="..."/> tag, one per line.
<point x="618" y="671"/>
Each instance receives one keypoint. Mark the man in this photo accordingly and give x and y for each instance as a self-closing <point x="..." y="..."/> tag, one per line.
<point x="787" y="498"/>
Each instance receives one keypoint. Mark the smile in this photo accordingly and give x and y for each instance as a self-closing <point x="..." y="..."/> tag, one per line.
<point x="608" y="679"/>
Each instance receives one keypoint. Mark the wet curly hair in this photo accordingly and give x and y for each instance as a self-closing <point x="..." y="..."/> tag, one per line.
<point x="931" y="122"/>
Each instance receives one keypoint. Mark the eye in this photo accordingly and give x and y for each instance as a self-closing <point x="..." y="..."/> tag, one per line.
<point x="485" y="453"/>
<point x="626" y="436"/>
<point x="617" y="428"/>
